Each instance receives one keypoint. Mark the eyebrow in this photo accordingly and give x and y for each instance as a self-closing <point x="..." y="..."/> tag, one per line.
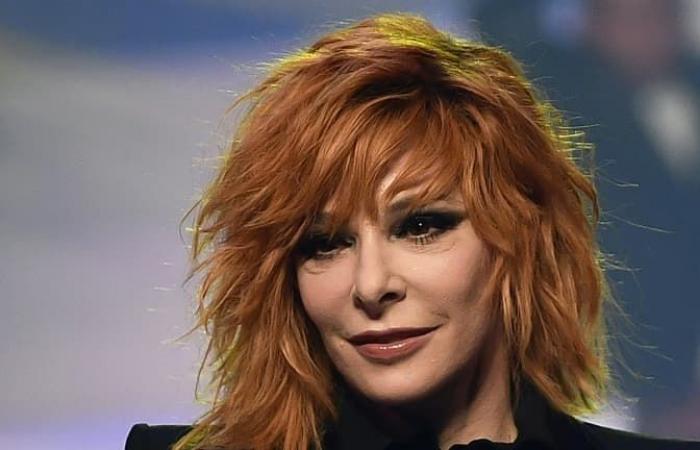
<point x="395" y="208"/>
<point x="406" y="203"/>
<point x="400" y="206"/>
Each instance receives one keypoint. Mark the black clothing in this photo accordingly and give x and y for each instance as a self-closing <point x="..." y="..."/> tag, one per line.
<point x="540" y="427"/>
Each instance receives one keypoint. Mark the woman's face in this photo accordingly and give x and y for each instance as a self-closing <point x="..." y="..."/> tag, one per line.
<point x="397" y="303"/>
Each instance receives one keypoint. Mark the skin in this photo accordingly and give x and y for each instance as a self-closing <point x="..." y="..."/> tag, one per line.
<point x="405" y="271"/>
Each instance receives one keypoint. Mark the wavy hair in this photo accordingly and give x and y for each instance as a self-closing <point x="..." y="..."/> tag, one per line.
<point x="327" y="123"/>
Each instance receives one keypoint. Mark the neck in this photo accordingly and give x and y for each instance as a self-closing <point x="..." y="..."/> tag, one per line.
<point x="482" y="410"/>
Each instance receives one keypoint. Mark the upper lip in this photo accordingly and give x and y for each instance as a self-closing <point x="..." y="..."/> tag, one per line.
<point x="388" y="335"/>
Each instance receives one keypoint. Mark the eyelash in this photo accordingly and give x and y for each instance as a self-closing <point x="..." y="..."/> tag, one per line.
<point x="437" y="222"/>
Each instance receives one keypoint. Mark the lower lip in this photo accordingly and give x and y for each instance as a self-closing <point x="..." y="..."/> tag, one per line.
<point x="393" y="351"/>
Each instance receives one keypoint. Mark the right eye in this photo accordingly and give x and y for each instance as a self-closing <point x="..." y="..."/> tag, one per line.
<point x="322" y="246"/>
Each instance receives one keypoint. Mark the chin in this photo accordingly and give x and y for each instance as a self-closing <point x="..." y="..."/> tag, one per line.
<point x="395" y="397"/>
<point x="401" y="387"/>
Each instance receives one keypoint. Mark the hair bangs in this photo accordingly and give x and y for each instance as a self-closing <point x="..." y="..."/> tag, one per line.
<point x="433" y="164"/>
<point x="407" y="144"/>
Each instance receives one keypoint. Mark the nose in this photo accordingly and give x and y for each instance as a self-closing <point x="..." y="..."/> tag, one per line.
<point x="377" y="282"/>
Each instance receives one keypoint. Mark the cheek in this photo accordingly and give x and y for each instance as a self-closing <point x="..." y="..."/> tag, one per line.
<point x="324" y="292"/>
<point x="452" y="276"/>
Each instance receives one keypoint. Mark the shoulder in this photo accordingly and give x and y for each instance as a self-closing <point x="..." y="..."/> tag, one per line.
<point x="612" y="439"/>
<point x="157" y="437"/>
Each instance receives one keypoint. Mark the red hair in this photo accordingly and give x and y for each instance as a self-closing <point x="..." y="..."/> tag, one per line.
<point x="339" y="114"/>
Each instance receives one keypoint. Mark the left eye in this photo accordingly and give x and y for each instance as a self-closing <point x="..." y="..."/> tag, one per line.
<point x="417" y="225"/>
<point x="426" y="224"/>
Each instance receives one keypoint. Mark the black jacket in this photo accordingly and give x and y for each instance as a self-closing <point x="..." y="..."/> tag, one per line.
<point x="540" y="427"/>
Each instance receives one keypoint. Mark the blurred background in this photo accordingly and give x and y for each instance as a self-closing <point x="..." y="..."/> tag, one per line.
<point x="110" y="112"/>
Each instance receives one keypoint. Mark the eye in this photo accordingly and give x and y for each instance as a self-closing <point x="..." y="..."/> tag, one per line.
<point x="321" y="246"/>
<point x="422" y="227"/>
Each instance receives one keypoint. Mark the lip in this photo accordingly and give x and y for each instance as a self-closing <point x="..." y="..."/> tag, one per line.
<point x="391" y="345"/>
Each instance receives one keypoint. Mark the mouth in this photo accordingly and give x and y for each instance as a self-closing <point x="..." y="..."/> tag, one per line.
<point x="388" y="336"/>
<point x="393" y="345"/>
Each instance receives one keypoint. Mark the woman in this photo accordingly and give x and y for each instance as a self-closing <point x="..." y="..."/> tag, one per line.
<point x="400" y="253"/>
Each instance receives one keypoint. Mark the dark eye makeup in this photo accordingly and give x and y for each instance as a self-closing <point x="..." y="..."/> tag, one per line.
<point x="419" y="227"/>
<point x="423" y="226"/>
<point x="322" y="246"/>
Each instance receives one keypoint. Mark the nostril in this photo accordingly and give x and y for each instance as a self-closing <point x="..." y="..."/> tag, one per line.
<point x="376" y="306"/>
<point x="390" y="296"/>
